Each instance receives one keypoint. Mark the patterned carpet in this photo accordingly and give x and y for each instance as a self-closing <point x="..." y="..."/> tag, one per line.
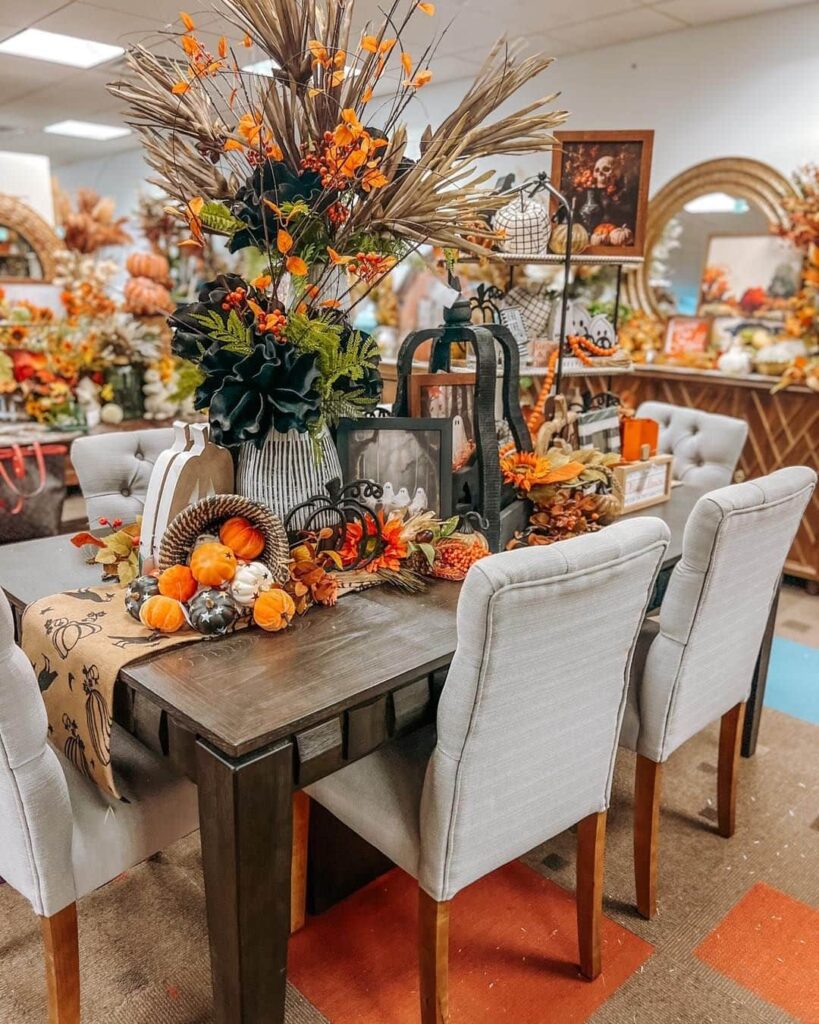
<point x="736" y="938"/>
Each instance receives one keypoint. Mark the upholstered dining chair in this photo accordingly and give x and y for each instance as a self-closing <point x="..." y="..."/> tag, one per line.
<point x="706" y="446"/>
<point x="114" y="469"/>
<point x="694" y="663"/>
<point x="62" y="838"/>
<point x="526" y="733"/>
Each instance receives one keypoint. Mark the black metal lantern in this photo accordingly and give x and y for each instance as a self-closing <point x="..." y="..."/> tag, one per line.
<point x="478" y="486"/>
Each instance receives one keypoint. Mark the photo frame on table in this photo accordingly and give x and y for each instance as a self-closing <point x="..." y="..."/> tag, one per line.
<point x="449" y="396"/>
<point x="605" y="175"/>
<point x="687" y="335"/>
<point x="409" y="457"/>
<point x="751" y="276"/>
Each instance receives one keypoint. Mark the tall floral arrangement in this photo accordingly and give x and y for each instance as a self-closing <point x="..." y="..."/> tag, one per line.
<point x="309" y="165"/>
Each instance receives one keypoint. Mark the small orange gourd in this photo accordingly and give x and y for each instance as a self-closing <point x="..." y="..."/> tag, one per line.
<point x="273" y="610"/>
<point x="177" y="582"/>
<point x="242" y="537"/>
<point x="162" y="613"/>
<point x="213" y="564"/>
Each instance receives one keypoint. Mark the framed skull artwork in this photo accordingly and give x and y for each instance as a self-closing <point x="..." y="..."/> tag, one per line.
<point x="605" y="177"/>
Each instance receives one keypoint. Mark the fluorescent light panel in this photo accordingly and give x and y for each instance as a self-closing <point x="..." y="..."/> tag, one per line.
<point x="59" y="49"/>
<point x="87" y="130"/>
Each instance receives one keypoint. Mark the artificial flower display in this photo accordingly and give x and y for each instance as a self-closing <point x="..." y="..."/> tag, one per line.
<point x="307" y="171"/>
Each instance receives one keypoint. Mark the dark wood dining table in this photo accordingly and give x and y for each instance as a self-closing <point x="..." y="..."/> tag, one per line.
<point x="254" y="717"/>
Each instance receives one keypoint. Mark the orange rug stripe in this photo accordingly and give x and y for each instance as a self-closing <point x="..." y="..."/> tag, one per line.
<point x="769" y="942"/>
<point x="513" y="954"/>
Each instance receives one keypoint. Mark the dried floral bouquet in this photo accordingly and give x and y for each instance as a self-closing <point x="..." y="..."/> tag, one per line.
<point x="309" y="165"/>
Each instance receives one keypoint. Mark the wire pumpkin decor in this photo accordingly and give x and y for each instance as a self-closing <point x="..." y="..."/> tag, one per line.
<point x="326" y="517"/>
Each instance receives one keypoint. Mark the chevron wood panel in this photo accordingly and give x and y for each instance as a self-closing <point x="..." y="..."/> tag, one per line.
<point x="783" y="431"/>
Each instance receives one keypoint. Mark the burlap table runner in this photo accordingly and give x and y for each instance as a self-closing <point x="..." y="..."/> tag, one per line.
<point x="78" y="642"/>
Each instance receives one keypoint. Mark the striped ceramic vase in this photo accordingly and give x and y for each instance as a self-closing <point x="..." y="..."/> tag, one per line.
<point x="285" y="471"/>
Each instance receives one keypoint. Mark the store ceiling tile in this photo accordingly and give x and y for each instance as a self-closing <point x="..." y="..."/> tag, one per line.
<point x="699" y="12"/>
<point x="618" y="28"/>
<point x="99" y="24"/>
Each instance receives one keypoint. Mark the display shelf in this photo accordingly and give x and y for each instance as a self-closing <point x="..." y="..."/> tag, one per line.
<point x="511" y="259"/>
<point x="572" y="367"/>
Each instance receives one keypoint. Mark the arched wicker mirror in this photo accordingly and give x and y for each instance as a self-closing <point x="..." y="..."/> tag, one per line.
<point x="27" y="244"/>
<point x="731" y="196"/>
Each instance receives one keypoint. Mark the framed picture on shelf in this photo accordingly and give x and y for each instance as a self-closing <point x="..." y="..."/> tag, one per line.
<point x="410" y="458"/>
<point x="605" y="177"/>
<point x="449" y="396"/>
<point x="687" y="335"/>
<point x="751" y="276"/>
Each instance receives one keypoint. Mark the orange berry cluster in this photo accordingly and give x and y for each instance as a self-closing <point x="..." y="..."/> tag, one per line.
<point x="338" y="214"/>
<point x="235" y="299"/>
<point x="272" y="323"/>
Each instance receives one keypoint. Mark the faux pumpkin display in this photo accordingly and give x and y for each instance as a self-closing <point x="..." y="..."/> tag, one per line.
<point x="177" y="582"/>
<point x="152" y="265"/>
<point x="138" y="593"/>
<point x="242" y="537"/>
<point x="600" y="235"/>
<point x="274" y="609"/>
<point x="144" y="297"/>
<point x="526" y="226"/>
<point x="213" y="612"/>
<point x="248" y="581"/>
<point x="162" y="613"/>
<point x="560" y="237"/>
<point x="213" y="564"/>
<point x="621" y="236"/>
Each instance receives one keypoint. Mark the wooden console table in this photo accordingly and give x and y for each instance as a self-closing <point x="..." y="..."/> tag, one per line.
<point x="783" y="430"/>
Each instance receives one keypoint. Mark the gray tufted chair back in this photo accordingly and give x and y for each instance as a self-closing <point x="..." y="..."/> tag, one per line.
<point x="114" y="470"/>
<point x="706" y="447"/>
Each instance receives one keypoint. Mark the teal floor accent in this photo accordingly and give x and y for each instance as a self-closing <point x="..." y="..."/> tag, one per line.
<point x="793" y="680"/>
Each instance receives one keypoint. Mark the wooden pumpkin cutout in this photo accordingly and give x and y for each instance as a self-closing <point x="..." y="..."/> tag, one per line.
<point x="200" y="471"/>
<point x="601" y="331"/>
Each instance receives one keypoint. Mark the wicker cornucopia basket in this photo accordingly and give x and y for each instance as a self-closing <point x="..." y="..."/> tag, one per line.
<point x="207" y="515"/>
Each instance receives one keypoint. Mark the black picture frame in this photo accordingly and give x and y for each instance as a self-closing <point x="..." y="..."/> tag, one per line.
<point x="350" y="449"/>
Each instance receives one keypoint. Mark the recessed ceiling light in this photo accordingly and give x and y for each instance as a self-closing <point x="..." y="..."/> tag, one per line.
<point x="87" y="130"/>
<point x="59" y="49"/>
<point x="267" y="67"/>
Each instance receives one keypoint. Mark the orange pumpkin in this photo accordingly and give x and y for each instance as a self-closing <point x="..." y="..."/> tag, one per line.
<point x="242" y="537"/>
<point x="213" y="564"/>
<point x="162" y="613"/>
<point x="144" y="297"/>
<point x="273" y="610"/>
<point x="177" y="582"/>
<point x="152" y="265"/>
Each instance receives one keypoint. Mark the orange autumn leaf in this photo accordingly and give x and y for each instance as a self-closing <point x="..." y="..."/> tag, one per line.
<point x="247" y="42"/>
<point x="331" y="304"/>
<point x="284" y="241"/>
<point x="426" y="8"/>
<point x="422" y="78"/>
<point x="337" y="259"/>
<point x="564" y="473"/>
<point x="272" y="206"/>
<point x="367" y="95"/>
<point x="370" y="44"/>
<point x="223" y="46"/>
<point x="317" y="49"/>
<point x="195" y="205"/>
<point x="187" y="21"/>
<point x="179" y="88"/>
<point x="232" y="144"/>
<point x="256" y="308"/>
<point x="337" y="78"/>
<point x="386" y="46"/>
<point x="406" y="64"/>
<point x="191" y="243"/>
<point x="296" y="266"/>
<point x="312" y="93"/>
<point x="262" y="281"/>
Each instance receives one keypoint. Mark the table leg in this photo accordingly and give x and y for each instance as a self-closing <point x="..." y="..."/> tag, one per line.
<point x="753" y="708"/>
<point x="246" y="815"/>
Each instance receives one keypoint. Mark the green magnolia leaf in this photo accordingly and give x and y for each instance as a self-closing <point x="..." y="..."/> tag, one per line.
<point x="429" y="552"/>
<point x="449" y="526"/>
<point x="218" y="218"/>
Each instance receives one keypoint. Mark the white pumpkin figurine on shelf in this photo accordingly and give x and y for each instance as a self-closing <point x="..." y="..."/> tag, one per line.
<point x="601" y="331"/>
<point x="736" y="361"/>
<point x="526" y="224"/>
<point x="249" y="580"/>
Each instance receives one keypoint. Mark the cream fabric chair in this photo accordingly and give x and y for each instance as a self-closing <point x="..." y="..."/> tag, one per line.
<point x="706" y="447"/>
<point x="695" y="663"/>
<point x="527" y="732"/>
<point x="61" y="836"/>
<point x="114" y="470"/>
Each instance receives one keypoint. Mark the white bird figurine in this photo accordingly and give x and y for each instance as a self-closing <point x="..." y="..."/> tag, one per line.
<point x="419" y="502"/>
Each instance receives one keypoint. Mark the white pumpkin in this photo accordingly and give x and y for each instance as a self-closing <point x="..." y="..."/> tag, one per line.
<point x="621" y="236"/>
<point x="248" y="581"/>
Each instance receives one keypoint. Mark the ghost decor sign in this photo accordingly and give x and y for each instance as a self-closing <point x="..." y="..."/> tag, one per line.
<point x="193" y="468"/>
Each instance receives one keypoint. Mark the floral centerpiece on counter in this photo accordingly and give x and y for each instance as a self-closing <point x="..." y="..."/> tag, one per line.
<point x="308" y="166"/>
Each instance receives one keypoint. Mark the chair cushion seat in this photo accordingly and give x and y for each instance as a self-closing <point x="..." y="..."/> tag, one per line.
<point x="379" y="797"/>
<point x="111" y="836"/>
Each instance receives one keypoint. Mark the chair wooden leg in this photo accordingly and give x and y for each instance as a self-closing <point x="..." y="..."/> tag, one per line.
<point x="298" y="870"/>
<point x="647" y="781"/>
<point x="730" y="739"/>
<point x="433" y="958"/>
<point x="62" y="963"/>
<point x="591" y="851"/>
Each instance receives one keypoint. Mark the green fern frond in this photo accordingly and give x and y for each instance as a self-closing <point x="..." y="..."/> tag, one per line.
<point x="232" y="333"/>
